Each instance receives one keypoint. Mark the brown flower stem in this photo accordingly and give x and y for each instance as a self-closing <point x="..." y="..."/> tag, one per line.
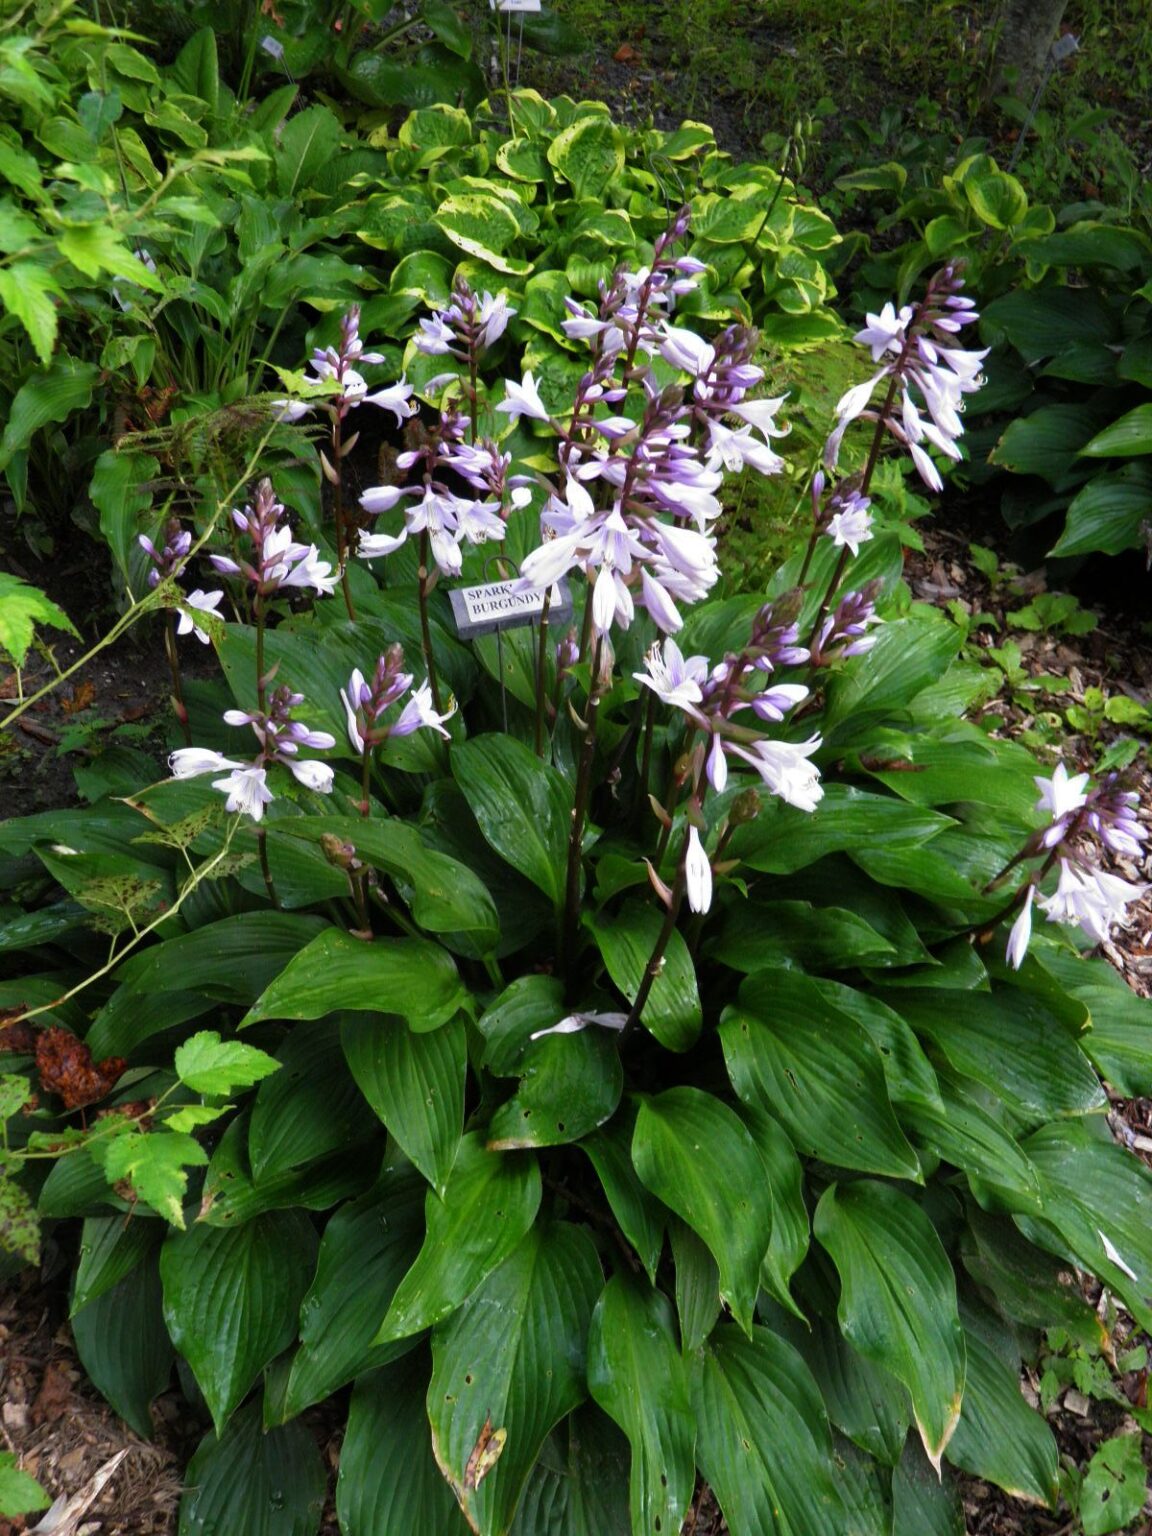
<point x="172" y="654"/>
<point x="663" y="938"/>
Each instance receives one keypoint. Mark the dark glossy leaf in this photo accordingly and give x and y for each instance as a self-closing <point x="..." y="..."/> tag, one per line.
<point x="523" y="806"/>
<point x="231" y="1300"/>
<point x="865" y="1402"/>
<point x="790" y="1225"/>
<point x="411" y="977"/>
<point x="637" y="1375"/>
<point x="230" y="1195"/>
<point x="626" y="941"/>
<point x="124" y="1346"/>
<point x="697" y="1286"/>
<point x="639" y="1214"/>
<point x="579" y="1485"/>
<point x="795" y="1056"/>
<point x="1024" y="1282"/>
<point x="111" y="1247"/>
<point x="252" y="1482"/>
<point x="308" y="1110"/>
<point x="898" y="1298"/>
<point x="923" y="1502"/>
<point x="999" y="1437"/>
<point x="907" y="1071"/>
<point x="490" y="1202"/>
<point x="969" y="1135"/>
<point x="764" y="1444"/>
<point x="389" y="1482"/>
<point x="1009" y="1042"/>
<point x="414" y="1082"/>
<point x="1119" y="1037"/>
<point x="909" y="654"/>
<point x="531" y="1003"/>
<point x="511" y="1359"/>
<point x="783" y="839"/>
<point x="770" y="934"/>
<point x="682" y="1136"/>
<point x="570" y="1085"/>
<point x="367" y="1248"/>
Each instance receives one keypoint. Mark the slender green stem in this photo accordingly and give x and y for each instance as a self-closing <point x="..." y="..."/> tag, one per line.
<point x="172" y="653"/>
<point x="365" y="782"/>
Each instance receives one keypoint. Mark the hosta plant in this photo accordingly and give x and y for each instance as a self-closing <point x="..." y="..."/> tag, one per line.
<point x="608" y="1053"/>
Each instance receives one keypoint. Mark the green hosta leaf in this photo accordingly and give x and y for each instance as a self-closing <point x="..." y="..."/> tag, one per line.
<point x="908" y="655"/>
<point x="20" y="1494"/>
<point x="156" y="1165"/>
<point x="367" y="1247"/>
<point x="1024" y="1282"/>
<point x="697" y="1286"/>
<point x="764" y="1444"/>
<point x="999" y="1437"/>
<point x="1107" y="515"/>
<point x="529" y="1004"/>
<point x="964" y="1132"/>
<point x="490" y="1202"/>
<point x="570" y="1085"/>
<point x="637" y="1375"/>
<point x="639" y="1215"/>
<point x="308" y="1110"/>
<point x="411" y="977"/>
<point x="1009" y="1042"/>
<point x="231" y="1300"/>
<point x="27" y="291"/>
<point x="783" y="839"/>
<point x="124" y="1346"/>
<point x="923" y="1502"/>
<point x="898" y="1298"/>
<point x="626" y="939"/>
<point x="1045" y="443"/>
<point x="1131" y="434"/>
<point x="790" y="1227"/>
<point x="511" y="1359"/>
<point x="306" y="144"/>
<point x="120" y="492"/>
<point x="110" y="1249"/>
<point x="21" y="609"/>
<point x="415" y="1083"/>
<point x="1098" y="1198"/>
<point x="1115" y="1486"/>
<point x="589" y="155"/>
<point x="1119" y="1037"/>
<point x="389" y="1482"/>
<point x="681" y="1138"/>
<point x="864" y="1402"/>
<point x="907" y="1071"/>
<point x="793" y="1054"/>
<point x="579" y="1485"/>
<point x="212" y="1066"/>
<point x="230" y="1196"/>
<point x="523" y="807"/>
<point x="254" y="1482"/>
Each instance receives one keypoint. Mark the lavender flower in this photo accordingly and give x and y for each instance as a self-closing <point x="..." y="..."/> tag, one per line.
<point x="697" y="873"/>
<point x="923" y="367"/>
<point x="469" y="325"/>
<point x="276" y="559"/>
<point x="366" y="703"/>
<point x="201" y="602"/>
<point x="280" y="738"/>
<point x="333" y="367"/>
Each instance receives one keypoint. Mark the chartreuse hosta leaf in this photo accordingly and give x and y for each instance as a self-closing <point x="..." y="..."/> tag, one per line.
<point x="389" y="1483"/>
<point x="638" y="1376"/>
<point x="797" y="1056"/>
<point x="414" y="1082"/>
<point x="999" y="1437"/>
<point x="507" y="1366"/>
<point x="211" y="1066"/>
<point x="897" y="1298"/>
<point x="367" y="1248"/>
<point x="232" y="1299"/>
<point x="681" y="1138"/>
<point x="489" y="1203"/>
<point x="763" y="1441"/>
<point x="253" y="1482"/>
<point x="412" y="977"/>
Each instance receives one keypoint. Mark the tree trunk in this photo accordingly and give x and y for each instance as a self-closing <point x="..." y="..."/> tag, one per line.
<point x="1026" y="30"/>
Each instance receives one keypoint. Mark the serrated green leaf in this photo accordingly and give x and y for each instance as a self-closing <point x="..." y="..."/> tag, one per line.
<point x="1115" y="1486"/>
<point x="209" y="1065"/>
<point x="27" y="291"/>
<point x="156" y="1165"/>
<point x="21" y="609"/>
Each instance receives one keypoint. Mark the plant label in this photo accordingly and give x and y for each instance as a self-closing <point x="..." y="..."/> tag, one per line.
<point x="498" y="605"/>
